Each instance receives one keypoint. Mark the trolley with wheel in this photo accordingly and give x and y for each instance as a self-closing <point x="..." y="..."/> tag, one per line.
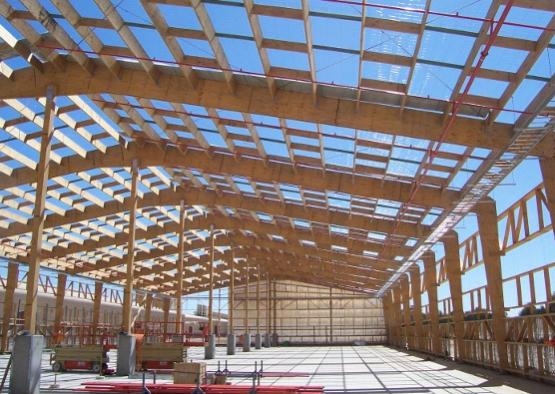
<point x="92" y="358"/>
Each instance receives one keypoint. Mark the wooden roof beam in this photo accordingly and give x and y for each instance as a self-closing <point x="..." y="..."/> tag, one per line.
<point x="169" y="197"/>
<point x="305" y="177"/>
<point x="253" y="99"/>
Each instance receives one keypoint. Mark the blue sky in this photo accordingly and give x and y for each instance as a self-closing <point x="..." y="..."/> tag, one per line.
<point x="441" y="58"/>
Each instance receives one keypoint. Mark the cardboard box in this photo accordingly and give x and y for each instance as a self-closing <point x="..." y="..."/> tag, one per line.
<point x="189" y="373"/>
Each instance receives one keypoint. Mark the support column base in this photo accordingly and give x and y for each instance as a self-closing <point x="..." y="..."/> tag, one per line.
<point x="231" y="344"/>
<point x="246" y="342"/>
<point x="26" y="364"/>
<point x="267" y="340"/>
<point x="258" y="341"/>
<point x="127" y="357"/>
<point x="210" y="348"/>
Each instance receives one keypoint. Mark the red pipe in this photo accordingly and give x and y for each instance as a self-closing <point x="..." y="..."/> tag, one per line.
<point x="439" y="13"/>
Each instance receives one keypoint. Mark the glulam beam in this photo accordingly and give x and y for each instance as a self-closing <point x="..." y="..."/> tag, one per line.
<point x="286" y="104"/>
<point x="130" y="258"/>
<point x="39" y="212"/>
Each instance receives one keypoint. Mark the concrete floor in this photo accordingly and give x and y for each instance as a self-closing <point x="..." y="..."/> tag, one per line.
<point x="354" y="369"/>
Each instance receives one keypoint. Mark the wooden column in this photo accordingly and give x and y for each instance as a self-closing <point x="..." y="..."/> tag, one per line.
<point x="430" y="278"/>
<point x="128" y="290"/>
<point x="246" y="315"/>
<point x="386" y="304"/>
<point x="274" y="307"/>
<point x="211" y="283"/>
<point x="39" y="215"/>
<point x="415" y="286"/>
<point x="331" y="314"/>
<point x="148" y="308"/>
<point x="59" y="311"/>
<point x="453" y="269"/>
<point x="258" y="300"/>
<point x="268" y="306"/>
<point x="11" y="285"/>
<point x="392" y="323"/>
<point x="547" y="166"/>
<point x="231" y="295"/>
<point x="405" y="291"/>
<point x="489" y="238"/>
<point x="397" y="316"/>
<point x="98" y="286"/>
<point x="166" y="309"/>
<point x="179" y="266"/>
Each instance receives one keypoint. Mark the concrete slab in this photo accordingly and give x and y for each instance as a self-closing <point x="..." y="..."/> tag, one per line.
<point x="341" y="369"/>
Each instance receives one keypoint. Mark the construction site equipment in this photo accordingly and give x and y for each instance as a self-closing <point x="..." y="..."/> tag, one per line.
<point x="124" y="387"/>
<point x="159" y="355"/>
<point x="90" y="358"/>
<point x="189" y="373"/>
